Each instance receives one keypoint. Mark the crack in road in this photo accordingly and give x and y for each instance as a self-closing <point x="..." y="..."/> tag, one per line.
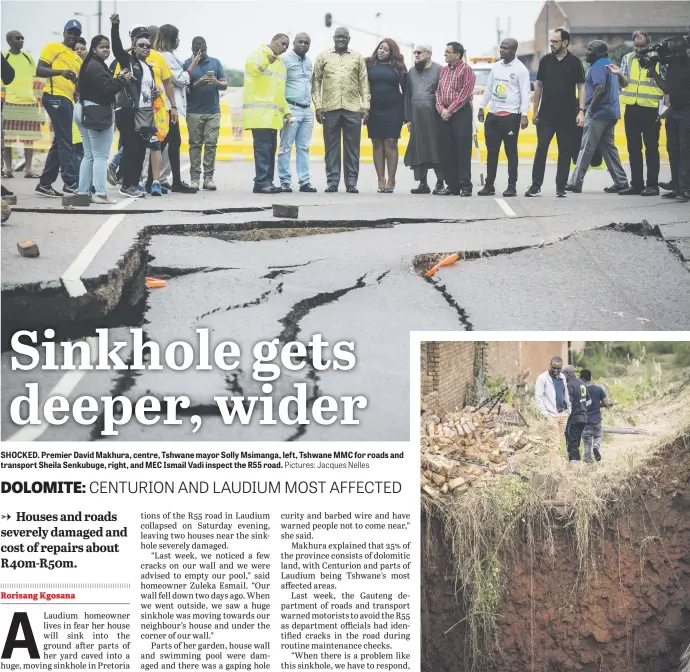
<point x="170" y="272"/>
<point x="302" y="308"/>
<point x="254" y="302"/>
<point x="274" y="274"/>
<point x="462" y="313"/>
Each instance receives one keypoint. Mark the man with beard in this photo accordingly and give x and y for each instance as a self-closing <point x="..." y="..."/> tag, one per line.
<point x="559" y="108"/>
<point x="423" y="120"/>
<point x="677" y="85"/>
<point x="602" y="112"/>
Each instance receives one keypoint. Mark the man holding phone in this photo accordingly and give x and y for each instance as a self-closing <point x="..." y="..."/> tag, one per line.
<point x="207" y="78"/>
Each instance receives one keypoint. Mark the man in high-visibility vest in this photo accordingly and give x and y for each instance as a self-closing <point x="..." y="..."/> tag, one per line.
<point x="641" y="96"/>
<point x="265" y="109"/>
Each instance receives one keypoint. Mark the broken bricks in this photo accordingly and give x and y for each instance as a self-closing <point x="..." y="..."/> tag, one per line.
<point x="27" y="248"/>
<point x="289" y="211"/>
<point x="10" y="200"/>
<point x="6" y="211"/>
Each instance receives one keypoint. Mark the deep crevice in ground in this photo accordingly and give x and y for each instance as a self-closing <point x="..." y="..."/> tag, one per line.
<point x="633" y="615"/>
<point x="450" y="300"/>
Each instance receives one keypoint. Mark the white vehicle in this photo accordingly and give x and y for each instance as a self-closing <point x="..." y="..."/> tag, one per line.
<point x="481" y="66"/>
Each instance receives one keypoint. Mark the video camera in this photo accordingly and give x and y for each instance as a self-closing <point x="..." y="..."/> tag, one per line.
<point x="661" y="53"/>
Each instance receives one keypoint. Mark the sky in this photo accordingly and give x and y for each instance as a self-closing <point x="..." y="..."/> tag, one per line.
<point x="233" y="29"/>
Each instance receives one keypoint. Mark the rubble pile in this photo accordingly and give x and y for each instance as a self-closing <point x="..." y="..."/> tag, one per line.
<point x="470" y="447"/>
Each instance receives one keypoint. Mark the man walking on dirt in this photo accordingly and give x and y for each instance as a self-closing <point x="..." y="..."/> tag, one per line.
<point x="577" y="391"/>
<point x="591" y="436"/>
<point x="552" y="401"/>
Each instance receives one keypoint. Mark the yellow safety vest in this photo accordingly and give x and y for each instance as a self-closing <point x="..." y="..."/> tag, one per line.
<point x="264" y="90"/>
<point x="642" y="90"/>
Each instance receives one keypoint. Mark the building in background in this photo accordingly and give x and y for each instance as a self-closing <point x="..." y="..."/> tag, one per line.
<point x="612" y="21"/>
<point x="451" y="371"/>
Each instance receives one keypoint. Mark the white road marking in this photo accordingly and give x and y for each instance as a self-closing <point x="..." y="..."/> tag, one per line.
<point x="71" y="278"/>
<point x="505" y="207"/>
<point x="64" y="387"/>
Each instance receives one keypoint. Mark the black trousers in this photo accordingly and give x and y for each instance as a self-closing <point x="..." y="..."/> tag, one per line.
<point x="568" y="139"/>
<point x="134" y="148"/>
<point x="679" y="139"/>
<point x="497" y="130"/>
<point x="339" y="124"/>
<point x="265" y="146"/>
<point x="455" y="137"/>
<point x="573" y="436"/>
<point x="172" y="141"/>
<point x="642" y="125"/>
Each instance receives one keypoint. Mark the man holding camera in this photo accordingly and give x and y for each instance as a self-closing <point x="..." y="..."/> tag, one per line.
<point x="641" y="96"/>
<point x="677" y="85"/>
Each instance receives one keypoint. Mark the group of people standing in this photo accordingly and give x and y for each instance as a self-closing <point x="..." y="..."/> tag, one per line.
<point x="143" y="92"/>
<point x="579" y="108"/>
<point x="571" y="406"/>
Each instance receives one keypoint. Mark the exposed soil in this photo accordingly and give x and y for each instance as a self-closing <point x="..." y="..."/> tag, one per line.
<point x="632" y="616"/>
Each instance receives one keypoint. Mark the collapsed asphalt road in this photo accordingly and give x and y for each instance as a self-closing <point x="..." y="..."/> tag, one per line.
<point x="544" y="272"/>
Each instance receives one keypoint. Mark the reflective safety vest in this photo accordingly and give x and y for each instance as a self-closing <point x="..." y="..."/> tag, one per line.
<point x="264" y="90"/>
<point x="642" y="90"/>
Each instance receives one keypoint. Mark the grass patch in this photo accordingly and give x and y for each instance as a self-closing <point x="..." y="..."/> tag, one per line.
<point x="486" y="529"/>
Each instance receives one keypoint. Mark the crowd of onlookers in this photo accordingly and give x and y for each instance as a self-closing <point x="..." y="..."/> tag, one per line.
<point x="148" y="87"/>
<point x="142" y="93"/>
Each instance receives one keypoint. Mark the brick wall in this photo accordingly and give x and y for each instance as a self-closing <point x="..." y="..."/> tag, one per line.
<point x="447" y="371"/>
<point x="503" y="360"/>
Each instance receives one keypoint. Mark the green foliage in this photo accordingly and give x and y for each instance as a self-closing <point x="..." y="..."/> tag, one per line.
<point x="681" y="356"/>
<point x="235" y="77"/>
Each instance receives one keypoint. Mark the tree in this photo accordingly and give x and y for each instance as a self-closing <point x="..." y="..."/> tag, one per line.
<point x="234" y="77"/>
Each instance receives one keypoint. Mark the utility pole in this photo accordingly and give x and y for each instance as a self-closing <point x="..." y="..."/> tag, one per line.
<point x="100" y="15"/>
<point x="546" y="39"/>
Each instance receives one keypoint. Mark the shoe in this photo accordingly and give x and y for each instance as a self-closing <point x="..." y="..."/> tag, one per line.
<point x="439" y="187"/>
<point x="181" y="188"/>
<point x="156" y="189"/>
<point x="111" y="175"/>
<point x="331" y="189"/>
<point x="286" y="188"/>
<point x="466" y="193"/>
<point x="195" y="185"/>
<point x="597" y="454"/>
<point x="560" y="192"/>
<point x="574" y="189"/>
<point x="7" y="174"/>
<point x="615" y="189"/>
<point x="630" y="191"/>
<point x="132" y="192"/>
<point x="167" y="186"/>
<point x="142" y="188"/>
<point x="650" y="191"/>
<point x="683" y="196"/>
<point x="266" y="190"/>
<point x="666" y="186"/>
<point x="6" y="192"/>
<point x="533" y="191"/>
<point x="487" y="190"/>
<point x="423" y="188"/>
<point x="210" y="185"/>
<point x="352" y="190"/>
<point x="307" y="188"/>
<point x="31" y="176"/>
<point x="47" y="191"/>
<point x="102" y="200"/>
<point x="70" y="189"/>
<point x="510" y="191"/>
<point x="670" y="194"/>
<point x="568" y="187"/>
<point x="446" y="192"/>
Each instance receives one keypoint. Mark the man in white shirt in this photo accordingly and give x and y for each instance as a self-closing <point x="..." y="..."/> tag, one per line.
<point x="553" y="402"/>
<point x="508" y="91"/>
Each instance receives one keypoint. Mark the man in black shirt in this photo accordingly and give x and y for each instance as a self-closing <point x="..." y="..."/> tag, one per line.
<point x="559" y="108"/>
<point x="677" y="85"/>
<point x="578" y="413"/>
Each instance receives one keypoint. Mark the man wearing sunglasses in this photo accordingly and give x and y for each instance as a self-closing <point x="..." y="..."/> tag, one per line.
<point x="423" y="120"/>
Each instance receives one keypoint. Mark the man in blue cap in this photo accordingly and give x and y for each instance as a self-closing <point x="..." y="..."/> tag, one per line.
<point x="60" y="65"/>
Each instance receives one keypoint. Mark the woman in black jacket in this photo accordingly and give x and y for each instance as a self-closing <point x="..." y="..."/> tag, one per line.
<point x="137" y="94"/>
<point x="97" y="91"/>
